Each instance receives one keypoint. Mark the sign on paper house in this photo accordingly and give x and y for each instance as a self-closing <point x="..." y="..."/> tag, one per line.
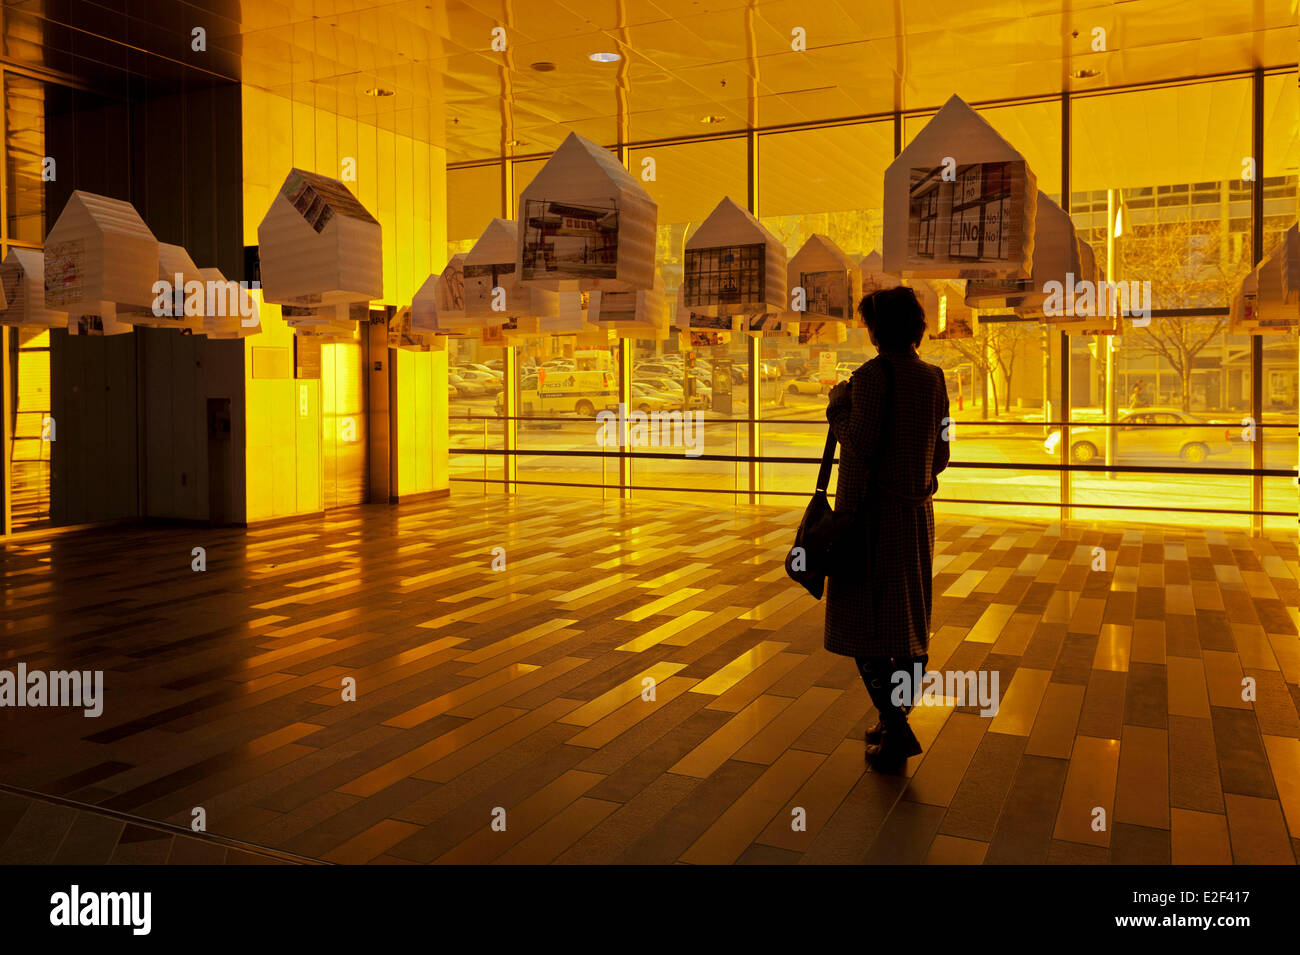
<point x="99" y="257"/>
<point x="823" y="282"/>
<point x="586" y="223"/>
<point x="318" y="246"/>
<point x="959" y="202"/>
<point x="734" y="265"/>
<point x="22" y="276"/>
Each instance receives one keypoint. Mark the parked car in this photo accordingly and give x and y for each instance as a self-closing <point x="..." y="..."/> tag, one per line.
<point x="656" y="369"/>
<point x="805" y="385"/>
<point x="1147" y="434"/>
<point x="646" y="399"/>
<point x="796" y="366"/>
<point x="465" y="387"/>
<point x="491" y="383"/>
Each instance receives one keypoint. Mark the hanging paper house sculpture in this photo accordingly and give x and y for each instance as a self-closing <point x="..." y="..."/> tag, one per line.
<point x="734" y="266"/>
<point x="1075" y="310"/>
<point x="1271" y="312"/>
<point x="874" y="276"/>
<point x="946" y="313"/>
<point x="327" y="322"/>
<point x="823" y="283"/>
<point x="1055" y="258"/>
<point x="178" y="294"/>
<point x="319" y="248"/>
<point x="959" y="202"/>
<point x="640" y="314"/>
<point x="22" y="275"/>
<point x="586" y="223"/>
<point x="439" y="304"/>
<point x="99" y="257"/>
<point x="230" y="310"/>
<point x="492" y="290"/>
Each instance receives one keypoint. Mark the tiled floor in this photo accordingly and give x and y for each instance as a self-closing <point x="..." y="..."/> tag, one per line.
<point x="515" y="695"/>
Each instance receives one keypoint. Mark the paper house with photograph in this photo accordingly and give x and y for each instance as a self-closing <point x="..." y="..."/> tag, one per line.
<point x="873" y="275"/>
<point x="642" y="313"/>
<point x="559" y="313"/>
<point x="318" y="246"/>
<point x="439" y="304"/>
<point x="176" y="302"/>
<point x="822" y="333"/>
<point x="327" y="321"/>
<point x="1056" y="259"/>
<point x="22" y="276"/>
<point x="586" y="220"/>
<point x="99" y="257"/>
<point x="946" y="313"/>
<point x="492" y="289"/>
<point x="230" y="310"/>
<point x="822" y="282"/>
<point x="403" y="333"/>
<point x="1272" y="313"/>
<point x="769" y="325"/>
<point x="959" y="202"/>
<point x="733" y="265"/>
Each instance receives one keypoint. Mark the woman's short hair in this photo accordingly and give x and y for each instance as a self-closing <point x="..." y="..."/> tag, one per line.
<point x="895" y="317"/>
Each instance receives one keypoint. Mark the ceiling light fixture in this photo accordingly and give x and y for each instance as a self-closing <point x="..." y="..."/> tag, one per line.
<point x="710" y="119"/>
<point x="378" y="91"/>
<point x="605" y="57"/>
<point x="1085" y="74"/>
<point x="544" y="66"/>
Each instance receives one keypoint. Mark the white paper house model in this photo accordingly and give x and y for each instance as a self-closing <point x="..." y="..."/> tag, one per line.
<point x="1056" y="257"/>
<point x="874" y="276"/>
<point x="734" y="265"/>
<point x="318" y="245"/>
<point x="99" y="256"/>
<point x="946" y="313"/>
<point x="586" y="223"/>
<point x="959" y="202"/>
<point x="22" y="275"/>
<point x="229" y="309"/>
<point x="823" y="283"/>
<point x="492" y="289"/>
<point x="439" y="304"/>
<point x="176" y="303"/>
<point x="1272" y="313"/>
<point x="639" y="314"/>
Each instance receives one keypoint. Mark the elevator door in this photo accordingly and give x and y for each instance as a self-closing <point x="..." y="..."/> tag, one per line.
<point x="344" y="446"/>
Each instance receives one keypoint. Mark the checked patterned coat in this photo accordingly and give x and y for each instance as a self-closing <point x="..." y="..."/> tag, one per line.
<point x="886" y="612"/>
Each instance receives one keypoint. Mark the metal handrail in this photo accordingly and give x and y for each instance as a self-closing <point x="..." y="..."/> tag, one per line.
<point x="957" y="422"/>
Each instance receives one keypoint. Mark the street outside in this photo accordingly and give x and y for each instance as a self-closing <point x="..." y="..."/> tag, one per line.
<point x="794" y="429"/>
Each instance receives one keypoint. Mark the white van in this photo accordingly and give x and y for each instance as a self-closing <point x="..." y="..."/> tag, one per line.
<point x="568" y="392"/>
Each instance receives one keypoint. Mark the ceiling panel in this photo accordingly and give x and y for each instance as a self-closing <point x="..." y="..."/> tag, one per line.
<point x="682" y="59"/>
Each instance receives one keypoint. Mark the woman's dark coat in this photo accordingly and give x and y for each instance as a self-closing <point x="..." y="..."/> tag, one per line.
<point x="885" y="612"/>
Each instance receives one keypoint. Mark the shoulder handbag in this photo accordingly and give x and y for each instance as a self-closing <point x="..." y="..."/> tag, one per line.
<point x="825" y="534"/>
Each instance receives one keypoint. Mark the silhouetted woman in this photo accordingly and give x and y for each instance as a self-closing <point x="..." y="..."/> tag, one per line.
<point x="889" y="420"/>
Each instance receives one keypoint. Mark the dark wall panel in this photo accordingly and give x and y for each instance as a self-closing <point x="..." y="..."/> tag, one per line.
<point x="175" y="154"/>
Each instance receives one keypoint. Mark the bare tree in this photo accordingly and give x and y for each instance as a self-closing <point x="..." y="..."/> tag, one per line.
<point x="1187" y="266"/>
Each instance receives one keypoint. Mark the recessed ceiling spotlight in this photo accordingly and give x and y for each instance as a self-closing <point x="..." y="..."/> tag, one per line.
<point x="605" y="57"/>
<point x="710" y="119"/>
<point x="544" y="66"/>
<point x="1085" y="74"/>
<point x="515" y="142"/>
<point x="378" y="91"/>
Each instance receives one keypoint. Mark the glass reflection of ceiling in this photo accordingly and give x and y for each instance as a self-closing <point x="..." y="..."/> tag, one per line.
<point x="682" y="59"/>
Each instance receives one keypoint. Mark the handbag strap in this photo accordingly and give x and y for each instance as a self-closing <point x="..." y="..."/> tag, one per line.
<point x="828" y="458"/>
